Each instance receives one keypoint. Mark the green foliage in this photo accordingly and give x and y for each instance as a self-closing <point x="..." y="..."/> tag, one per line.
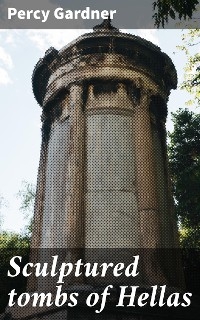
<point x="190" y="237"/>
<point x="191" y="82"/>
<point x="14" y="244"/>
<point x="165" y="9"/>
<point x="13" y="240"/>
<point x="11" y="244"/>
<point x="27" y="196"/>
<point x="184" y="157"/>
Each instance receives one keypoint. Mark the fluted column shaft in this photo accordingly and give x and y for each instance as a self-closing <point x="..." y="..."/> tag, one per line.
<point x="145" y="173"/>
<point x="75" y="224"/>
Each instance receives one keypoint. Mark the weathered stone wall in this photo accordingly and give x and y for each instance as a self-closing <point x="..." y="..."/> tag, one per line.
<point x="111" y="212"/>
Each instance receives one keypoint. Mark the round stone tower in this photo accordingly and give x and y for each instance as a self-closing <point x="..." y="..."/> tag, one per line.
<point x="103" y="177"/>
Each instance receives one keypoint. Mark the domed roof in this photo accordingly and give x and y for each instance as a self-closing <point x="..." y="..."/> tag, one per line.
<point x="106" y="39"/>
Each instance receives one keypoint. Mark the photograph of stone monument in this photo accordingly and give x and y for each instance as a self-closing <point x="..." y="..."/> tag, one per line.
<point x="103" y="179"/>
<point x="104" y="190"/>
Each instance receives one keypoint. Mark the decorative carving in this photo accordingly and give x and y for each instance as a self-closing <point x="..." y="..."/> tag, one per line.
<point x="105" y="26"/>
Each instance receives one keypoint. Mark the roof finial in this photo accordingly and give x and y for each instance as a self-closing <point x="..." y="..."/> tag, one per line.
<point x="105" y="25"/>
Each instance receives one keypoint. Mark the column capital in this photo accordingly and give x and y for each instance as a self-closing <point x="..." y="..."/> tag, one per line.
<point x="145" y="98"/>
<point x="147" y="90"/>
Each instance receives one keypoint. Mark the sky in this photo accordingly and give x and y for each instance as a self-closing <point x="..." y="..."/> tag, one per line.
<point x="20" y="134"/>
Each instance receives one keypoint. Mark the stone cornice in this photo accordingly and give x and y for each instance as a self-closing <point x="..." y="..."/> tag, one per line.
<point x="135" y="52"/>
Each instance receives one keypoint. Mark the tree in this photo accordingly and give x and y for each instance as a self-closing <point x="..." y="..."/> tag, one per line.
<point x="165" y="9"/>
<point x="191" y="82"/>
<point x="12" y="241"/>
<point x="11" y="244"/>
<point x="184" y="158"/>
<point x="27" y="196"/>
<point x="14" y="244"/>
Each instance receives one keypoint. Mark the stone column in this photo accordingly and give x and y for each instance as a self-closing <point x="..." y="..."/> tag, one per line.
<point x="38" y="212"/>
<point x="145" y="173"/>
<point x="75" y="223"/>
<point x="61" y="217"/>
<point x="75" y="218"/>
<point x="146" y="191"/>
